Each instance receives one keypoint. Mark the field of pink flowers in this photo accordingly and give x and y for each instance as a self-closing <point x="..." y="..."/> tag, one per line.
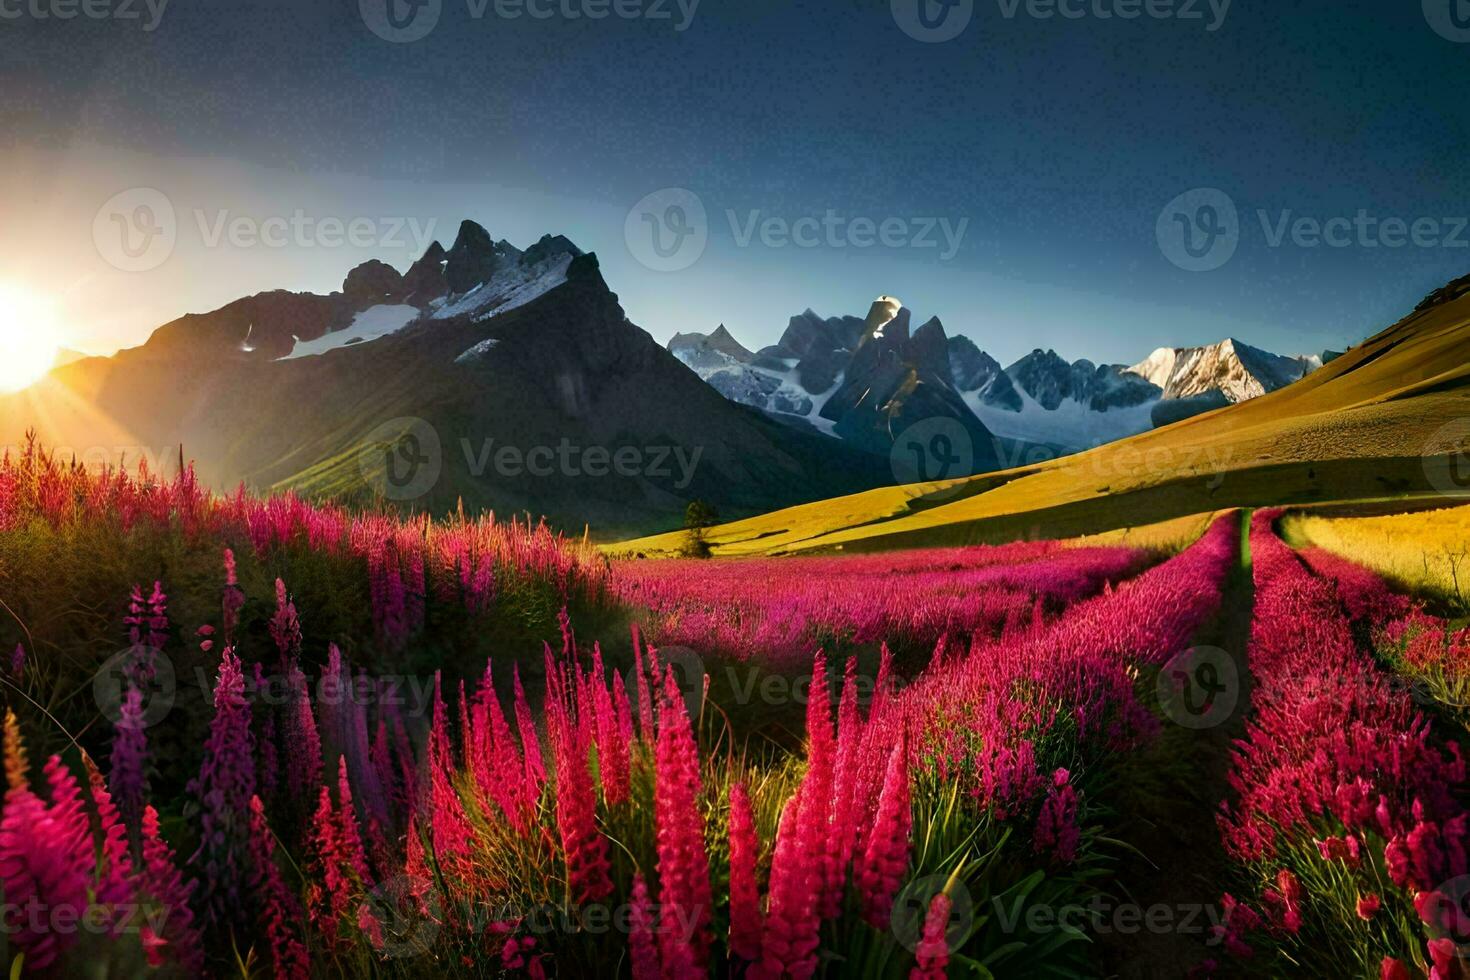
<point x="1350" y="815"/>
<point x="780" y="609"/>
<point x="250" y="737"/>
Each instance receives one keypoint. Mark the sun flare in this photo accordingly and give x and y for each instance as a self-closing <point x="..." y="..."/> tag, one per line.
<point x="27" y="337"/>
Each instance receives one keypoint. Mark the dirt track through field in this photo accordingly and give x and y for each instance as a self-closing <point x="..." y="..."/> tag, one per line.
<point x="1181" y="870"/>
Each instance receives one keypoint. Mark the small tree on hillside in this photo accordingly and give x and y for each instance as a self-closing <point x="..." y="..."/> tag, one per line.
<point x="698" y="516"/>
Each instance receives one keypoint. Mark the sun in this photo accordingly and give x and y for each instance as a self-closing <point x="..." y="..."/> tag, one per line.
<point x="27" y="337"/>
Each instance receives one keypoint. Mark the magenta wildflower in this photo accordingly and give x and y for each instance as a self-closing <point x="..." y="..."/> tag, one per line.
<point x="584" y="847"/>
<point x="789" y="942"/>
<point x="278" y="911"/>
<point x="683" y="865"/>
<point x="641" y="948"/>
<point x="233" y="600"/>
<point x="224" y="786"/>
<point x="285" y="626"/>
<point x="530" y="740"/>
<point x="1392" y="969"/>
<point x="180" y="941"/>
<point x="304" y="760"/>
<point x="129" y="761"/>
<point x="45" y="856"/>
<point x="1056" y="827"/>
<point x="745" y="908"/>
<point x="887" y="851"/>
<point x="114" y="880"/>
<point x="932" y="953"/>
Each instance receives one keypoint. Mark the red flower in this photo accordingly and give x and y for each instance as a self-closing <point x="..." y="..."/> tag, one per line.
<point x="1392" y="969"/>
<point x="745" y="909"/>
<point x="887" y="854"/>
<point x="932" y="952"/>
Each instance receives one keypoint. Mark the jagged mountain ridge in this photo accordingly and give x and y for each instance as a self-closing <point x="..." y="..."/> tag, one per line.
<point x="1041" y="399"/>
<point x="482" y="347"/>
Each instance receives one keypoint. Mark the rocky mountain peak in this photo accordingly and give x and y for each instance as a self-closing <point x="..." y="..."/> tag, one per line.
<point x="711" y="352"/>
<point x="372" y="282"/>
<point x="472" y="259"/>
<point x="424" y="280"/>
<point x="548" y="246"/>
<point x="929" y="348"/>
<point x="885" y="309"/>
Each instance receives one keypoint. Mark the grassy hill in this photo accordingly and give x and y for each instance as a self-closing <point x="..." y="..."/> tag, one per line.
<point x="1369" y="425"/>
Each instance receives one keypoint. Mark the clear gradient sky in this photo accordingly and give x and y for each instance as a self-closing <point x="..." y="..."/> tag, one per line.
<point x="1058" y="141"/>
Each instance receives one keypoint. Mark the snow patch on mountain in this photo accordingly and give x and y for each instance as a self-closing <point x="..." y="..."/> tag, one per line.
<point x="512" y="286"/>
<point x="371" y="324"/>
<point x="1072" y="425"/>
<point x="477" y="351"/>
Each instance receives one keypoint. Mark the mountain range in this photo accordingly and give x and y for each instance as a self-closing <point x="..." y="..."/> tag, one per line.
<point x="494" y="377"/>
<point x="1386" y="423"/>
<point x="502" y="378"/>
<point x="865" y="380"/>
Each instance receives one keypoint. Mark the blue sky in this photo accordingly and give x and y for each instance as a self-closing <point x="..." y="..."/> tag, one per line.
<point x="1054" y="142"/>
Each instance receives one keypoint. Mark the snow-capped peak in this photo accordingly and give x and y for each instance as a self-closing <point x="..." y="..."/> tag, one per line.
<point x="1235" y="369"/>
<point x="882" y="313"/>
